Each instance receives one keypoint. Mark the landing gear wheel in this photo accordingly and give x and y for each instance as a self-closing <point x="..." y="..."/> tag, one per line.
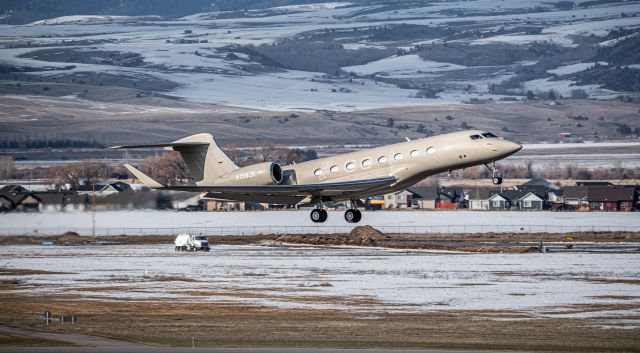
<point x="352" y="216"/>
<point x="324" y="215"/>
<point x="358" y="216"/>
<point x="319" y="215"/>
<point x="497" y="180"/>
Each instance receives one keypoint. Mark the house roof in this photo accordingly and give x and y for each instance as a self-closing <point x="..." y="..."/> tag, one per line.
<point x="17" y="198"/>
<point x="12" y="189"/>
<point x="515" y="195"/>
<point x="610" y="193"/>
<point x="480" y="194"/>
<point x="425" y="192"/>
<point x="540" y="183"/>
<point x="8" y="198"/>
<point x="576" y="192"/>
<point x="451" y="193"/>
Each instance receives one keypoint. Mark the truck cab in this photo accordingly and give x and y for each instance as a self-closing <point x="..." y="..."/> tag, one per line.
<point x="188" y="242"/>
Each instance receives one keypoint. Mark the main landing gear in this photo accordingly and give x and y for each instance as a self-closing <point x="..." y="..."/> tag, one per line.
<point x="352" y="215"/>
<point x="495" y="173"/>
<point x="319" y="215"/>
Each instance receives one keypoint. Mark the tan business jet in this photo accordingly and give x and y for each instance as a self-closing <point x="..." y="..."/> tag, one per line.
<point x="346" y="177"/>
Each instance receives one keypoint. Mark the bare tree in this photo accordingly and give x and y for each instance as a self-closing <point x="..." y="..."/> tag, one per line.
<point x="74" y="174"/>
<point x="6" y="167"/>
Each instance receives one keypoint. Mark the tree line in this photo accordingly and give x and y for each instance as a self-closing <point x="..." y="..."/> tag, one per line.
<point x="49" y="143"/>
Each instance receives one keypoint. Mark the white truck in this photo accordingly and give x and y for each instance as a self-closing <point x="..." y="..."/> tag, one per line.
<point x="188" y="242"/>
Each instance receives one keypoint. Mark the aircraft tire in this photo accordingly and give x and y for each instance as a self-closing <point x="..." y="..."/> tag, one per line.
<point x="358" y="216"/>
<point x="350" y="215"/>
<point x="324" y="215"/>
<point x="316" y="215"/>
<point x="497" y="180"/>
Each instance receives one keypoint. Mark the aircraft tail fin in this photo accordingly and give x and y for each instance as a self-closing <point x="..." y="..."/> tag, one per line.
<point x="205" y="160"/>
<point x="145" y="179"/>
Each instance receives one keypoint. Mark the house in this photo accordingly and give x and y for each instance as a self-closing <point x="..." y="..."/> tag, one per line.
<point x="531" y="202"/>
<point x="59" y="201"/>
<point x="12" y="189"/>
<point x="479" y="199"/>
<point x="538" y="184"/>
<point x="104" y="188"/>
<point x="26" y="202"/>
<point x="498" y="202"/>
<point x="6" y="203"/>
<point x="524" y="200"/>
<point x="544" y="189"/>
<point x="450" y="198"/>
<point x="425" y="197"/>
<point x="611" y="198"/>
<point x="399" y="199"/>
<point x="575" y="198"/>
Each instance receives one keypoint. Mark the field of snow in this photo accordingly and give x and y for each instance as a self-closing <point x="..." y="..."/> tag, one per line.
<point x="211" y="77"/>
<point x="402" y="66"/>
<point x="256" y="222"/>
<point x="363" y="279"/>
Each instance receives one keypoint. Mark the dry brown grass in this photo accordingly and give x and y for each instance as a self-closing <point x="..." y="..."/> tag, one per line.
<point x="234" y="325"/>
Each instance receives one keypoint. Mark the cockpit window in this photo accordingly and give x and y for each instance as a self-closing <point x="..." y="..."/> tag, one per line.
<point x="475" y="137"/>
<point x="488" y="135"/>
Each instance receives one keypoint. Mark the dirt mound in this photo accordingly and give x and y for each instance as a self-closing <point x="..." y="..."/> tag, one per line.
<point x="68" y="238"/>
<point x="367" y="232"/>
<point x="360" y="236"/>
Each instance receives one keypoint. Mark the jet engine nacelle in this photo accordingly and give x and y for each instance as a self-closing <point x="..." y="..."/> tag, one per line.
<point x="266" y="173"/>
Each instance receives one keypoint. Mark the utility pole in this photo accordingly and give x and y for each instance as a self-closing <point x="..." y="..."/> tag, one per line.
<point x="93" y="209"/>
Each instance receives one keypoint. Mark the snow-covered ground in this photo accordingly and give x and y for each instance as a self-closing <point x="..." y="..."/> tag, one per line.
<point x="211" y="77"/>
<point x="255" y="222"/>
<point x="353" y="279"/>
<point x="396" y="66"/>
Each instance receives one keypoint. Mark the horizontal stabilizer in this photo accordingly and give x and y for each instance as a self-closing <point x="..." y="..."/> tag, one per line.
<point x="145" y="179"/>
<point x="161" y="145"/>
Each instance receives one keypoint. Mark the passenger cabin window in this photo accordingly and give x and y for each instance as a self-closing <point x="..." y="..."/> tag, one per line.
<point x="398" y="156"/>
<point x="488" y="135"/>
<point x="431" y="150"/>
<point x="317" y="172"/>
<point x="350" y="166"/>
<point x="366" y="163"/>
<point x="382" y="160"/>
<point x="475" y="137"/>
<point x="334" y="169"/>
<point x="414" y="153"/>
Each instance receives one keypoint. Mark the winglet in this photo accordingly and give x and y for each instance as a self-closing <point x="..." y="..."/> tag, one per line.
<point x="145" y="179"/>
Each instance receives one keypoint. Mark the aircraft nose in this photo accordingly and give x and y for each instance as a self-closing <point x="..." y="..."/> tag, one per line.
<point x="513" y="147"/>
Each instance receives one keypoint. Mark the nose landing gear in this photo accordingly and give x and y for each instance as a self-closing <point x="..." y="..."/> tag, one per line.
<point x="495" y="173"/>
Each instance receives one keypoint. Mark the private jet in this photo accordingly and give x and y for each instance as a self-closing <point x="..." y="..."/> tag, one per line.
<point x="343" y="178"/>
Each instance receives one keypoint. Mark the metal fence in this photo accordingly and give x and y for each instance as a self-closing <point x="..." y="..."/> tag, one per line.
<point x="323" y="229"/>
